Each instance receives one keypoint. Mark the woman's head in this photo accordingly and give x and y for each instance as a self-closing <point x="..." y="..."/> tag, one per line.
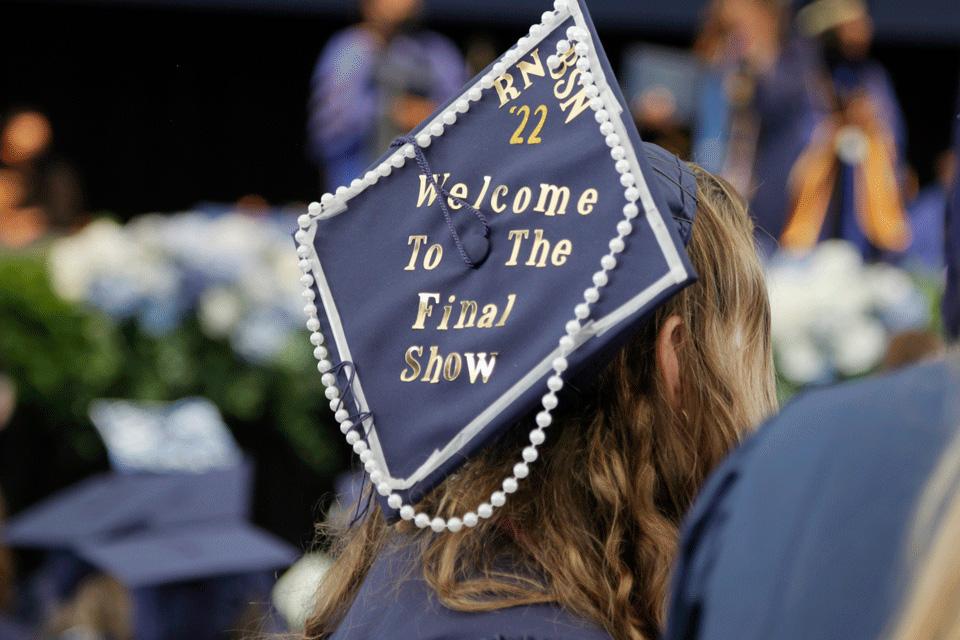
<point x="595" y="527"/>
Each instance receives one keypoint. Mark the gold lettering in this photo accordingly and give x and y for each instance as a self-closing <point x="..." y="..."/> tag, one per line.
<point x="501" y="190"/>
<point x="412" y="371"/>
<point x="559" y="199"/>
<point x="487" y="317"/>
<point x="580" y="103"/>
<point x="505" y="89"/>
<point x="540" y="251"/>
<point x="427" y="192"/>
<point x="528" y="69"/>
<point x="571" y="84"/>
<point x="417" y="242"/>
<point x="447" y="310"/>
<point x="511" y="299"/>
<point x="434" y="366"/>
<point x="524" y="195"/>
<point x="458" y="190"/>
<point x="561" y="251"/>
<point x="483" y="193"/>
<point x="468" y="315"/>
<point x="432" y="257"/>
<point x="586" y="202"/>
<point x="452" y="367"/>
<point x="567" y="60"/>
<point x="425" y="309"/>
<point x="518" y="236"/>
<point x="477" y="364"/>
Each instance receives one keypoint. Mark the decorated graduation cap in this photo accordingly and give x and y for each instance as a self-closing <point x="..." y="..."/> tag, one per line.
<point x="516" y="236"/>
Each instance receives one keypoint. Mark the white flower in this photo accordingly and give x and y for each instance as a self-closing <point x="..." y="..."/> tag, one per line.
<point x="294" y="594"/>
<point x="219" y="310"/>
<point x="860" y="347"/>
<point x="801" y="362"/>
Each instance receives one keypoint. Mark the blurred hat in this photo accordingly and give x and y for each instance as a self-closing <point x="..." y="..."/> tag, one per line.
<point x="112" y="504"/>
<point x="187" y="552"/>
<point x="519" y="234"/>
<point x="820" y="16"/>
<point x="802" y="533"/>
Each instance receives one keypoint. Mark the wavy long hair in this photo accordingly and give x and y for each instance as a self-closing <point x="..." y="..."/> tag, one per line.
<point x="595" y="527"/>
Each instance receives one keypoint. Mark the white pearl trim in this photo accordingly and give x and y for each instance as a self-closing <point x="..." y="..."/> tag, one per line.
<point x="577" y="39"/>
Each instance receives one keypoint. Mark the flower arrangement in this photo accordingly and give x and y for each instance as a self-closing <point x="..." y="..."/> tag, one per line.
<point x="235" y="273"/>
<point x="833" y="314"/>
<point x="156" y="310"/>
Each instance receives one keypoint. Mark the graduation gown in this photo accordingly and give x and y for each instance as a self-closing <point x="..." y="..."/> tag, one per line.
<point x="395" y="602"/>
<point x="803" y="532"/>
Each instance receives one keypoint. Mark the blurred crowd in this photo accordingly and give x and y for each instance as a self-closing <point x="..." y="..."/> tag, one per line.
<point x="783" y="99"/>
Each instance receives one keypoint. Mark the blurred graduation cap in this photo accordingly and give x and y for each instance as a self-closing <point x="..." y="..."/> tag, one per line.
<point x="517" y="236"/>
<point x="187" y="552"/>
<point x="803" y="532"/>
<point x="108" y="505"/>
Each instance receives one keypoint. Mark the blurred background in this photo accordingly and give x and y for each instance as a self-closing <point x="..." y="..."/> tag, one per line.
<point x="154" y="155"/>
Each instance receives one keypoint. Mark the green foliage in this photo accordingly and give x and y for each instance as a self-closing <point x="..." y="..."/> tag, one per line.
<point x="63" y="356"/>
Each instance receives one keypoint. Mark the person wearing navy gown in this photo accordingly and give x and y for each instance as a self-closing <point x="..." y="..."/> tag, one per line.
<point x="807" y="530"/>
<point x="506" y="320"/>
<point x="375" y="81"/>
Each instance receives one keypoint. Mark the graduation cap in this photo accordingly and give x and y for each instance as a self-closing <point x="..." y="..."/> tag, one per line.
<point x="114" y="504"/>
<point x="187" y="552"/>
<point x="514" y="237"/>
<point x="803" y="532"/>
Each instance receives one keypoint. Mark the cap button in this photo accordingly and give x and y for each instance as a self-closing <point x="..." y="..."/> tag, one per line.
<point x="476" y="245"/>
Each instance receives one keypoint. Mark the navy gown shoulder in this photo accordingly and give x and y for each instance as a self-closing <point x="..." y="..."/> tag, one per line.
<point x="395" y="602"/>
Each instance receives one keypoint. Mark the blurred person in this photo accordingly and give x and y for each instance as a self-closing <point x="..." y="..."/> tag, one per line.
<point x="101" y="609"/>
<point x="481" y="51"/>
<point x="928" y="218"/>
<point x="661" y="85"/>
<point x="757" y="107"/>
<point x="38" y="191"/>
<point x="804" y="532"/>
<point x="911" y="347"/>
<point x="847" y="184"/>
<point x="374" y="82"/>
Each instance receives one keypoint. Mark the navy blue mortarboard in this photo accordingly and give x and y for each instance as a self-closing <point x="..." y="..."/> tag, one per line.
<point x="513" y="238"/>
<point x="113" y="504"/>
<point x="803" y="532"/>
<point x="187" y="552"/>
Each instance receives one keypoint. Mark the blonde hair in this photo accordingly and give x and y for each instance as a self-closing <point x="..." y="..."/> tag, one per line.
<point x="932" y="608"/>
<point x="597" y="530"/>
<point x="101" y="605"/>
